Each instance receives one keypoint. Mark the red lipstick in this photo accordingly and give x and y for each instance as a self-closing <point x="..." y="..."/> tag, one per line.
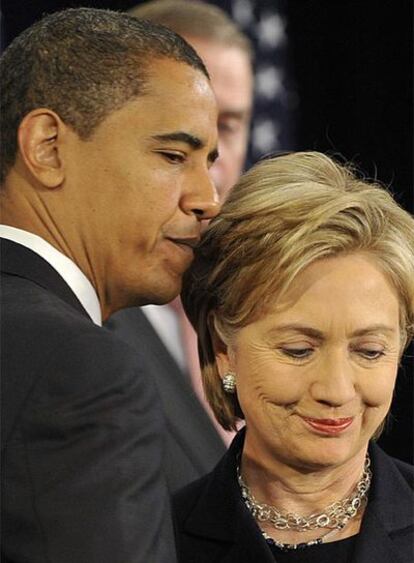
<point x="330" y="426"/>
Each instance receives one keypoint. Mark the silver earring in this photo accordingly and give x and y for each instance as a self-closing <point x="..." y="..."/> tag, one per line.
<point x="229" y="382"/>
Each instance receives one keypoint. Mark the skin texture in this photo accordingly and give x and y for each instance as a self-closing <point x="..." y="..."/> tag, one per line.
<point x="127" y="204"/>
<point x="232" y="82"/>
<point x="339" y="361"/>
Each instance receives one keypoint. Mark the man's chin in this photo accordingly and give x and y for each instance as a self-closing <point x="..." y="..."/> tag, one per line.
<point x="162" y="294"/>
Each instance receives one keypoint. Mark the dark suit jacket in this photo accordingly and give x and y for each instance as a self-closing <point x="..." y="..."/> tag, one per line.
<point x="82" y="427"/>
<point x="214" y="526"/>
<point x="193" y="444"/>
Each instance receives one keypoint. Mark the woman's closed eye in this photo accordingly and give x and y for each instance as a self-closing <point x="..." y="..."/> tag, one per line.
<point x="370" y="353"/>
<point x="296" y="352"/>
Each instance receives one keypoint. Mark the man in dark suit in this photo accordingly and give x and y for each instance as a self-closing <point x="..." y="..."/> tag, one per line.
<point x="109" y="128"/>
<point x="194" y="442"/>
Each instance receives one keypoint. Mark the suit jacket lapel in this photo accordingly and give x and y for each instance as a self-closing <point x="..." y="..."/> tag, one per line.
<point x="248" y="544"/>
<point x="20" y="261"/>
<point x="220" y="514"/>
<point x="185" y="416"/>
<point x="389" y="514"/>
<point x="374" y="544"/>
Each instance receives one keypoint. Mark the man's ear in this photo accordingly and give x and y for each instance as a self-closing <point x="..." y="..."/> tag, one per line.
<point x="40" y="138"/>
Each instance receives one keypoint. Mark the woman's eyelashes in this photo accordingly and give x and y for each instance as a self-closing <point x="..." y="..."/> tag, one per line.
<point x="301" y="352"/>
<point x="368" y="353"/>
<point x="297" y="352"/>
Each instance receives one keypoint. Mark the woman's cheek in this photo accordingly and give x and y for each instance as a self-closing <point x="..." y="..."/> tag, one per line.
<point x="377" y="389"/>
<point x="265" y="377"/>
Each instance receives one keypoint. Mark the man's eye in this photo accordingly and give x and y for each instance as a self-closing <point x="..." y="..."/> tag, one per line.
<point x="174" y="157"/>
<point x="297" y="353"/>
<point x="228" y="126"/>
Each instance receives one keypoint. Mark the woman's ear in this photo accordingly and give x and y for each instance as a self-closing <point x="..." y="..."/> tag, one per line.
<point x="40" y="138"/>
<point x="222" y="351"/>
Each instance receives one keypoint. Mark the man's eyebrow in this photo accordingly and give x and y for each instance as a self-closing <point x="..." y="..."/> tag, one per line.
<point x="235" y="114"/>
<point x="194" y="142"/>
<point x="182" y="137"/>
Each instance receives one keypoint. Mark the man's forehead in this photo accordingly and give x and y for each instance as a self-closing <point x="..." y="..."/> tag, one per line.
<point x="173" y="86"/>
<point x="177" y="74"/>
<point x="177" y="104"/>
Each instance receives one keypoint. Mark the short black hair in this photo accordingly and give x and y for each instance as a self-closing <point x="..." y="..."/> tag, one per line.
<point x="83" y="64"/>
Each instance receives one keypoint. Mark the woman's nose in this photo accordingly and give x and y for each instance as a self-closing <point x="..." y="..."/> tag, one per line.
<point x="334" y="384"/>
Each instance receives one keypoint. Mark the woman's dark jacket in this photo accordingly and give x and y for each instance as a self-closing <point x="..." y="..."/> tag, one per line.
<point x="214" y="526"/>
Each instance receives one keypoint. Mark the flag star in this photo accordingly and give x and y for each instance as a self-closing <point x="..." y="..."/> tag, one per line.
<point x="268" y="82"/>
<point x="271" y="31"/>
<point x="265" y="136"/>
<point x="242" y="11"/>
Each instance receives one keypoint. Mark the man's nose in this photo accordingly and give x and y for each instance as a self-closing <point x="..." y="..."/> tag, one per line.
<point x="201" y="199"/>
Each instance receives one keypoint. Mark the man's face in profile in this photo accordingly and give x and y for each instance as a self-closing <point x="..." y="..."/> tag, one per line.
<point x="232" y="81"/>
<point x="146" y="182"/>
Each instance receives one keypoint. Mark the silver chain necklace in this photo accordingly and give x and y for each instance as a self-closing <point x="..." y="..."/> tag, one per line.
<point x="334" y="517"/>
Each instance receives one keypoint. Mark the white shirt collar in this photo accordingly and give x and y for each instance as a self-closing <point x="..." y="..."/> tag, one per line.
<point x="66" y="268"/>
<point x="166" y="323"/>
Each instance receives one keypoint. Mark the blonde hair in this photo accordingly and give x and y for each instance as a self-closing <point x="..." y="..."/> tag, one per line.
<point x="284" y="214"/>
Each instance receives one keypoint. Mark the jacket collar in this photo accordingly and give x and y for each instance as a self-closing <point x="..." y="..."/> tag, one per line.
<point x="220" y="498"/>
<point x="388" y="515"/>
<point x="19" y="261"/>
<point x="220" y="513"/>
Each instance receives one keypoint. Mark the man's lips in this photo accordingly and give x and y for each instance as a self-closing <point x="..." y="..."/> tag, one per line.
<point x="330" y="426"/>
<point x="191" y="242"/>
<point x="185" y="245"/>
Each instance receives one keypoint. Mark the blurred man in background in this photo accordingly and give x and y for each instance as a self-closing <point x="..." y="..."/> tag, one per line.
<point x="194" y="441"/>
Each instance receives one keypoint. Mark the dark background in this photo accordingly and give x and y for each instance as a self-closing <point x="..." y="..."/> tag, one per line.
<point x="351" y="63"/>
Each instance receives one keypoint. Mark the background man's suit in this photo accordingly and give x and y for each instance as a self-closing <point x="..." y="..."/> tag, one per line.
<point x="193" y="444"/>
<point x="81" y="430"/>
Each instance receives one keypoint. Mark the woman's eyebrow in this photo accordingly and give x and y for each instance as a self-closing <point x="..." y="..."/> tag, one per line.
<point x="299" y="328"/>
<point x="381" y="328"/>
<point x="315" y="333"/>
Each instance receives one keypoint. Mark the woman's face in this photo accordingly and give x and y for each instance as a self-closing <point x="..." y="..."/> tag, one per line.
<point x="315" y="375"/>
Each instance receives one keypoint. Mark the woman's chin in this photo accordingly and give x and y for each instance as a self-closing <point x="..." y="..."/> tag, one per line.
<point x="329" y="459"/>
<point x="329" y="454"/>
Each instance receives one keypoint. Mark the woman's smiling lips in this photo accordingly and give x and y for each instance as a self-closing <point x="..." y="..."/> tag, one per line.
<point x="330" y="426"/>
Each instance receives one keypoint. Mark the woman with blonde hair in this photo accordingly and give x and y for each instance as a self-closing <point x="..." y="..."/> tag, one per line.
<point x="302" y="295"/>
